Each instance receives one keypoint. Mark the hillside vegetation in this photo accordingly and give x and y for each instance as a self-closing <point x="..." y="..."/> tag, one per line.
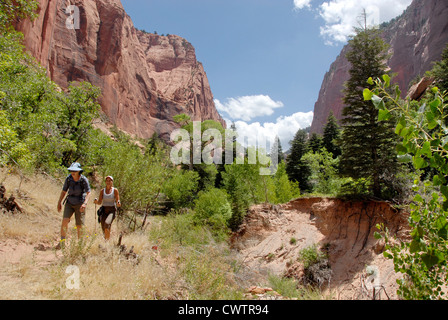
<point x="171" y="237"/>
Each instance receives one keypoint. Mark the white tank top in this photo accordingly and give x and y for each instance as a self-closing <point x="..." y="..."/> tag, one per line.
<point x="109" y="199"/>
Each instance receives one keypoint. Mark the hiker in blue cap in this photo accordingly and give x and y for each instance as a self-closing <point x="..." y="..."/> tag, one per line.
<point x="78" y="189"/>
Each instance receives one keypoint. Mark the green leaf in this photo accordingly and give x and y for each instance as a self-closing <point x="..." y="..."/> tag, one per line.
<point x="405" y="158"/>
<point x="370" y="81"/>
<point x="401" y="149"/>
<point x="384" y="115"/>
<point x="419" y="162"/>
<point x="377" y="102"/>
<point x="397" y="92"/>
<point x="431" y="259"/>
<point x="386" y="79"/>
<point x="387" y="255"/>
<point x="436" y="181"/>
<point x="418" y="198"/>
<point x="434" y="107"/>
<point x="444" y="190"/>
<point x="426" y="149"/>
<point x="367" y="94"/>
<point x="416" y="246"/>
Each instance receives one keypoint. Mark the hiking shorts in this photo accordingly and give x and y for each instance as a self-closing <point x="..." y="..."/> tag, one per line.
<point x="108" y="216"/>
<point x="79" y="216"/>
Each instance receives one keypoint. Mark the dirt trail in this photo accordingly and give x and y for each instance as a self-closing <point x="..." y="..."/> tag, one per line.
<point x="271" y="238"/>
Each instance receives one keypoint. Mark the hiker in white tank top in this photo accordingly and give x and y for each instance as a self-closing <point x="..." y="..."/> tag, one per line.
<point x="110" y="199"/>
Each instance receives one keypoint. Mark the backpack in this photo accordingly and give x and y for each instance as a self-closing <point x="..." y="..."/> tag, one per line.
<point x="82" y="181"/>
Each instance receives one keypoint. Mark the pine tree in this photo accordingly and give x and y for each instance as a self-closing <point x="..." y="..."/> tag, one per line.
<point x="440" y="71"/>
<point x="277" y="147"/>
<point x="297" y="169"/>
<point x="368" y="148"/>
<point x="332" y="134"/>
<point x="315" y="142"/>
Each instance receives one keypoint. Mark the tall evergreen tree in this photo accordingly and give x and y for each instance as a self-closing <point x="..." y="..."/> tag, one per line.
<point x="331" y="136"/>
<point x="297" y="169"/>
<point x="368" y="148"/>
<point x="315" y="142"/>
<point x="440" y="71"/>
<point x="277" y="147"/>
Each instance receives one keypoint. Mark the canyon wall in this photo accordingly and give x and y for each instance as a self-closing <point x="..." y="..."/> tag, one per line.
<point x="417" y="39"/>
<point x="145" y="79"/>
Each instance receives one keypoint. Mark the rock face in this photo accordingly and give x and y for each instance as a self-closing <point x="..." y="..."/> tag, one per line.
<point x="271" y="240"/>
<point x="417" y="39"/>
<point x="145" y="79"/>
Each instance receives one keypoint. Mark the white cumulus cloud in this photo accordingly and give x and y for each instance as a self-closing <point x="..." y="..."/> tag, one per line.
<point x="300" y="4"/>
<point x="285" y="128"/>
<point x="341" y="16"/>
<point x="248" y="107"/>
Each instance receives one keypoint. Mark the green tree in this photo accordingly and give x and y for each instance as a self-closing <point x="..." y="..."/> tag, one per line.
<point x="51" y="124"/>
<point x="368" y="147"/>
<point x="213" y="208"/>
<point x="440" y="71"/>
<point x="315" y="142"/>
<point x="297" y="169"/>
<point x="12" y="11"/>
<point x="331" y="136"/>
<point x="324" y="174"/>
<point x="423" y="129"/>
<point x="285" y="190"/>
<point x="80" y="108"/>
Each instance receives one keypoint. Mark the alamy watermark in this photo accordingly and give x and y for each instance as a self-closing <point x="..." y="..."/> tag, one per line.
<point x="73" y="21"/>
<point x="73" y="280"/>
<point x="206" y="147"/>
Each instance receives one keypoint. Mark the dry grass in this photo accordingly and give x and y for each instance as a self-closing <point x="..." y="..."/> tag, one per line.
<point x="175" y="261"/>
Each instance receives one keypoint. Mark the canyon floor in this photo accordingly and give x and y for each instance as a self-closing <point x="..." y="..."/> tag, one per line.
<point x="269" y="242"/>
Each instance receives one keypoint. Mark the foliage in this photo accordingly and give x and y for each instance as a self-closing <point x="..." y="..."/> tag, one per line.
<point x="285" y="190"/>
<point x="53" y="127"/>
<point x="424" y="132"/>
<point x="331" y="136"/>
<point x="235" y="183"/>
<point x="440" y="71"/>
<point x="181" y="188"/>
<point x="139" y="177"/>
<point x="11" y="11"/>
<point x="367" y="143"/>
<point x="11" y="149"/>
<point x="213" y="208"/>
<point x="324" y="174"/>
<point x="296" y="168"/>
<point x="310" y="256"/>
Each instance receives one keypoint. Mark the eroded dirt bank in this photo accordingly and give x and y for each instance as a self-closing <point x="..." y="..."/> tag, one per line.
<point x="271" y="238"/>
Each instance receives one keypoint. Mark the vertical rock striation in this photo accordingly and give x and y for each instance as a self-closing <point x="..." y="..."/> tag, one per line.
<point x="145" y="79"/>
<point x="417" y="39"/>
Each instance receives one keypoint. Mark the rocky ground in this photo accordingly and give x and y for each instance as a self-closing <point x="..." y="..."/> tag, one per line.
<point x="271" y="238"/>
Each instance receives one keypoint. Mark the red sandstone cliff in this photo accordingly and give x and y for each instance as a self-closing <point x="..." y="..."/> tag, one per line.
<point x="416" y="40"/>
<point x="145" y="79"/>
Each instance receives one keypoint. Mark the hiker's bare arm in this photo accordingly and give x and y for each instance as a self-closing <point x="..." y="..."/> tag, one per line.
<point x="84" y="205"/>
<point x="100" y="200"/>
<point x="61" y="197"/>
<point x="117" y="197"/>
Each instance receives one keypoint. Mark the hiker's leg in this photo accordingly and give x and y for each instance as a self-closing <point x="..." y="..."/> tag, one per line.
<point x="64" y="228"/>
<point x="106" y="222"/>
<point x="80" y="219"/>
<point x="68" y="212"/>
<point x="107" y="232"/>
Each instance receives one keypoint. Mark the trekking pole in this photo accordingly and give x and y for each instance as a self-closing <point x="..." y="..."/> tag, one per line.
<point x="94" y="219"/>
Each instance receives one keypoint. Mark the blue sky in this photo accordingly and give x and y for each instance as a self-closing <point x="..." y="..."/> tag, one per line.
<point x="265" y="59"/>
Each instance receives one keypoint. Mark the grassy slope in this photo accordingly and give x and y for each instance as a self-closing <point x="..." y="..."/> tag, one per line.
<point x="175" y="260"/>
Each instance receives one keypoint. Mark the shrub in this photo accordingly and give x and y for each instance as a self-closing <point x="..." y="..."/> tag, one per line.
<point x="213" y="208"/>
